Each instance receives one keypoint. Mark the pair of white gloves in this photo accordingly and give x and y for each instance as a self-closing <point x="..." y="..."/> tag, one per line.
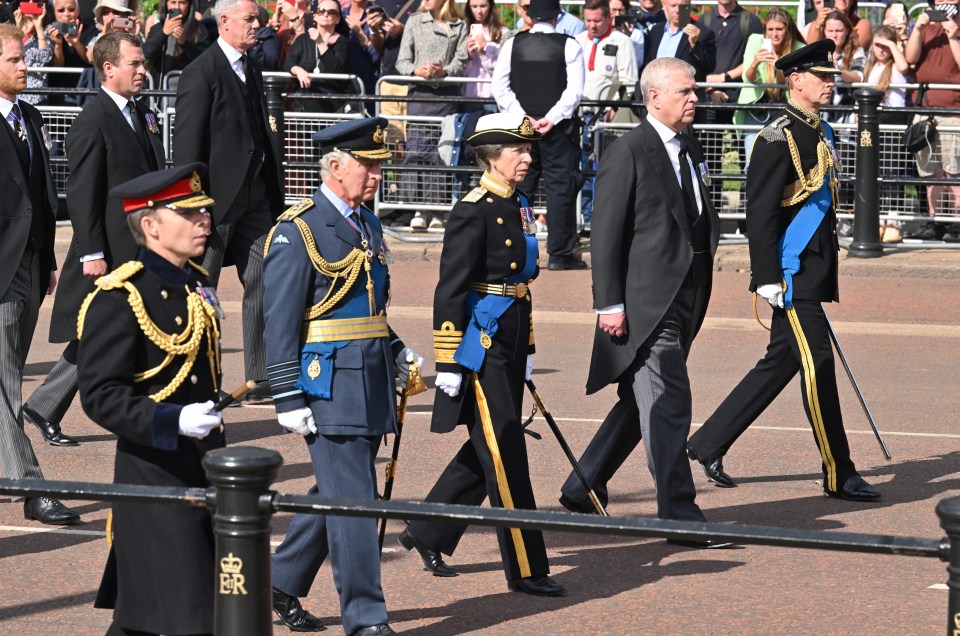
<point x="450" y="383"/>
<point x="301" y="422"/>
<point x="773" y="294"/>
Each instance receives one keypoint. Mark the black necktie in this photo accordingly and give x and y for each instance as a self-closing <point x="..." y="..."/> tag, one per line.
<point x="21" y="132"/>
<point x="141" y="133"/>
<point x="686" y="183"/>
<point x="246" y="68"/>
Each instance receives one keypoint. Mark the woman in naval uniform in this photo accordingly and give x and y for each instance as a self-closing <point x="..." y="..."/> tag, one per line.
<point x="483" y="337"/>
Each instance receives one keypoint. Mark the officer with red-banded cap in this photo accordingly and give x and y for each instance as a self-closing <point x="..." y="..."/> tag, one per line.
<point x="149" y="371"/>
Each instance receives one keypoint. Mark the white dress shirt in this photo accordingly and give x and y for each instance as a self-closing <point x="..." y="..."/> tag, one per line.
<point x="570" y="98"/>
<point x="233" y="56"/>
<point x="123" y="104"/>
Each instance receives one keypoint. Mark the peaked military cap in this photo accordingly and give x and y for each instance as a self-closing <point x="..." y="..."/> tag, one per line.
<point x="503" y="128"/>
<point x="361" y="138"/>
<point x="544" y="10"/>
<point x="816" y="57"/>
<point x="178" y="188"/>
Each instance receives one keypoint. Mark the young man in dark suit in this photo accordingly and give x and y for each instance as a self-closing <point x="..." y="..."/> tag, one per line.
<point x="222" y="121"/>
<point x="654" y="238"/>
<point x="113" y="140"/>
<point x="27" y="263"/>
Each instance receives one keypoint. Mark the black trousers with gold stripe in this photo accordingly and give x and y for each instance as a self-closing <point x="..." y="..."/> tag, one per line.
<point x="492" y="462"/>
<point x="799" y="341"/>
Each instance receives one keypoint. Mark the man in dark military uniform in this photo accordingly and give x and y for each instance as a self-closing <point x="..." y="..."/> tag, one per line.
<point x="149" y="370"/>
<point x="791" y="195"/>
<point x="483" y="336"/>
<point x="332" y="363"/>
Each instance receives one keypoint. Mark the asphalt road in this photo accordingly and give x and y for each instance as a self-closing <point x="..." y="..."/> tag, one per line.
<point x="900" y="330"/>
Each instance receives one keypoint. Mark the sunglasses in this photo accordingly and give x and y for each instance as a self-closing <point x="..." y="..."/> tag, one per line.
<point x="330" y="12"/>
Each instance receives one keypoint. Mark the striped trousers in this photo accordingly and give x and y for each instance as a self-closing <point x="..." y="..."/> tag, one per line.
<point x="19" y="307"/>
<point x="51" y="399"/>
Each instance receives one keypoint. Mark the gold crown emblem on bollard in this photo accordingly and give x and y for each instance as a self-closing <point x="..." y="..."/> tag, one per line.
<point x="231" y="564"/>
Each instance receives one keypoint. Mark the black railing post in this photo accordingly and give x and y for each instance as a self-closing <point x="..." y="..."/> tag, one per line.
<point x="866" y="206"/>
<point x="949" y="512"/>
<point x="241" y="477"/>
<point x="275" y="87"/>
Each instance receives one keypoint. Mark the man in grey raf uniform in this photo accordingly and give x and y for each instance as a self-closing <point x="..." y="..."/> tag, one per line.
<point x="332" y="366"/>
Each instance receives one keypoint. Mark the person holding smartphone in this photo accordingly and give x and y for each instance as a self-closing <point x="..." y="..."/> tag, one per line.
<point x="862" y="27"/>
<point x="934" y="50"/>
<point x="324" y="50"/>
<point x="366" y="42"/>
<point x="37" y="46"/>
<point x="486" y="32"/>
<point x="112" y="16"/>
<point x="684" y="38"/>
<point x="176" y="39"/>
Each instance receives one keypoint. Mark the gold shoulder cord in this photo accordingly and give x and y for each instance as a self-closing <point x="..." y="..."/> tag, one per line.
<point x="809" y="185"/>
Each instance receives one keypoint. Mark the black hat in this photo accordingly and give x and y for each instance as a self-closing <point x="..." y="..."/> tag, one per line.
<point x="361" y="138"/>
<point x="544" y="10"/>
<point x="503" y="128"/>
<point x="816" y="57"/>
<point x="178" y="188"/>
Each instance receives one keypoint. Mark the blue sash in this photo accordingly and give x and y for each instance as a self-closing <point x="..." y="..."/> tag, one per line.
<point x="486" y="310"/>
<point x="357" y="305"/>
<point x="802" y="228"/>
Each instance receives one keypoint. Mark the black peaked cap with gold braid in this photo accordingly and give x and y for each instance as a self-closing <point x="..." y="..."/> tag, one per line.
<point x="360" y="138"/>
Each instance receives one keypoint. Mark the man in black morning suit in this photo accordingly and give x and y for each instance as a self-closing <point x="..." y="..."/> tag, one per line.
<point x="654" y="237"/>
<point x="27" y="263"/>
<point x="113" y="140"/>
<point x="791" y="221"/>
<point x="222" y="121"/>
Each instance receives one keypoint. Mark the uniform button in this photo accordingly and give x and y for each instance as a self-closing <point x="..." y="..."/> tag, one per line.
<point x="489" y="200"/>
<point x="178" y="320"/>
<point x="193" y="379"/>
<point x="508" y="242"/>
<point x="513" y="266"/>
<point x="499" y="221"/>
<point x="164" y="294"/>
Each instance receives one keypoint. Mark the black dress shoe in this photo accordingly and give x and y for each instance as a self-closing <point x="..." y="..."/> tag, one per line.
<point x="566" y="262"/>
<point x="261" y="391"/>
<point x="383" y="629"/>
<point x="233" y="403"/>
<point x="50" y="431"/>
<point x="574" y="506"/>
<point x="47" y="510"/>
<point x="292" y="614"/>
<point x="709" y="544"/>
<point x="537" y="586"/>
<point x="855" y="489"/>
<point x="713" y="469"/>
<point x="432" y="560"/>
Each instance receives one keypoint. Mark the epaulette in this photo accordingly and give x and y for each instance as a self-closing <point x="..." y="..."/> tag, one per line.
<point x="774" y="130"/>
<point x="296" y="210"/>
<point x="203" y="272"/>
<point x="475" y="195"/>
<point x="116" y="278"/>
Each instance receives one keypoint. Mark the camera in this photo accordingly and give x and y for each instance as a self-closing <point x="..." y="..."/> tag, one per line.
<point x="632" y="17"/>
<point x="65" y="28"/>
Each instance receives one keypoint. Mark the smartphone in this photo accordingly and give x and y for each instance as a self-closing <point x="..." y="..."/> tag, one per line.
<point x="31" y="8"/>
<point x="475" y="30"/>
<point x="173" y="13"/>
<point x="897" y="13"/>
<point x="620" y="20"/>
<point x="936" y="15"/>
<point x="827" y="4"/>
<point x="767" y="44"/>
<point x="376" y="9"/>
<point x="684" y="15"/>
<point x="65" y="28"/>
<point x="121" y="23"/>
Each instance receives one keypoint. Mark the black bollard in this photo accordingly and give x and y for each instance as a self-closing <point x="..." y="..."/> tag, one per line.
<point x="275" y="88"/>
<point x="866" y="206"/>
<point x="241" y="477"/>
<point x="949" y="512"/>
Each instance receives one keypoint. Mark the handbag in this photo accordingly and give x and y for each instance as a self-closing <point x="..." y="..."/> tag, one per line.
<point x="921" y="134"/>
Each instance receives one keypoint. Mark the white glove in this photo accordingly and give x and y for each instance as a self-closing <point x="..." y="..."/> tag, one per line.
<point x="299" y="421"/>
<point x="773" y="294"/>
<point x="198" y="419"/>
<point x="529" y="373"/>
<point x="449" y="383"/>
<point x="404" y="359"/>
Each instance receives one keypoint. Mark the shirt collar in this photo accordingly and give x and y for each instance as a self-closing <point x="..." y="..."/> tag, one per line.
<point x="342" y="206"/>
<point x="666" y="133"/>
<point x="543" y="27"/>
<point x="232" y="54"/>
<point x="6" y="106"/>
<point x="499" y="188"/>
<point x="164" y="268"/>
<point x="119" y="100"/>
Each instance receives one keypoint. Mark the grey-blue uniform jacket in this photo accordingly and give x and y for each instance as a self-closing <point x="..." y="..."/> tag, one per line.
<point x="362" y="393"/>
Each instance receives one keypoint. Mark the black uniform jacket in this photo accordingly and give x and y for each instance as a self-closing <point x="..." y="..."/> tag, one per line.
<point x="160" y="573"/>
<point x="213" y="126"/>
<point x="640" y="245"/>
<point x="770" y="177"/>
<point x="16" y="208"/>
<point x="483" y="243"/>
<point x="102" y="152"/>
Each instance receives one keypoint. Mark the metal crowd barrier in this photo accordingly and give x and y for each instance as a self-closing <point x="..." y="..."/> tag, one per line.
<point x="243" y="505"/>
